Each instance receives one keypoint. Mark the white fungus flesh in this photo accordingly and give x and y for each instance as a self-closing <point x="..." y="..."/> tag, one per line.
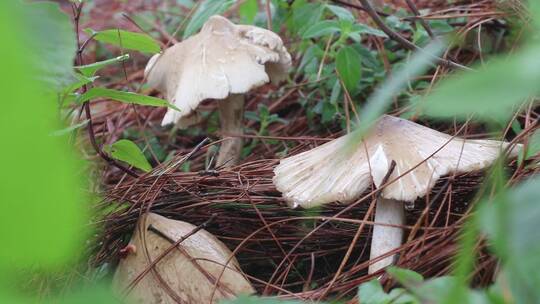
<point x="342" y="169"/>
<point x="222" y="59"/>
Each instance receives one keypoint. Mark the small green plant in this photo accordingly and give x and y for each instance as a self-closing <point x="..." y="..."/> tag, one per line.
<point x="334" y="62"/>
<point x="83" y="89"/>
<point x="264" y="119"/>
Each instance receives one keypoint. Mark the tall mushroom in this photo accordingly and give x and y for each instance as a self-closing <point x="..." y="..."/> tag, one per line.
<point x="342" y="169"/>
<point x="185" y="274"/>
<point x="223" y="61"/>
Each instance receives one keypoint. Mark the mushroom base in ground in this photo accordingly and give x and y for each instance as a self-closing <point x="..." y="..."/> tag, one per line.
<point x="386" y="238"/>
<point x="231" y="112"/>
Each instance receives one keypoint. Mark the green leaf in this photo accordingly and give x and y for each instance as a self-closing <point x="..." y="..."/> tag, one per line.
<point x="420" y="37"/>
<point x="369" y="58"/>
<point x="328" y="112"/>
<point x="322" y="28"/>
<point x="535" y="12"/>
<point x="248" y="10"/>
<point x="398" y="24"/>
<point x="512" y="225"/>
<point x="42" y="215"/>
<point x="372" y="293"/>
<point x="440" y="27"/>
<point x="348" y="65"/>
<point x="336" y="91"/>
<point x="253" y="116"/>
<point x="90" y="294"/>
<point x="127" y="97"/>
<point x="345" y="27"/>
<point x="405" y="276"/>
<point x="533" y="146"/>
<point x="243" y="299"/>
<point x="78" y="82"/>
<point x="402" y="296"/>
<point x="127" y="151"/>
<point x="359" y="28"/>
<point x="449" y="290"/>
<point x="304" y="15"/>
<point x="69" y="129"/>
<point x="310" y="58"/>
<point x="490" y="93"/>
<point x="90" y="70"/>
<point x="127" y="40"/>
<point x="186" y="3"/>
<point x="438" y="290"/>
<point x="340" y="12"/>
<point x="55" y="47"/>
<point x="516" y="127"/>
<point x="205" y="10"/>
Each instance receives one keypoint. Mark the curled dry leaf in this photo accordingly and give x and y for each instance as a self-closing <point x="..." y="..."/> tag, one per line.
<point x="186" y="274"/>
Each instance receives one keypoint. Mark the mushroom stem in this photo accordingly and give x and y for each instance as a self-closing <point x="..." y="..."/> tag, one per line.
<point x="231" y="115"/>
<point x="385" y="238"/>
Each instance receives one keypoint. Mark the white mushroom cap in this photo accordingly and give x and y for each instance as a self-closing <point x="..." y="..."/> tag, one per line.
<point x="340" y="171"/>
<point x="222" y="59"/>
<point x="190" y="270"/>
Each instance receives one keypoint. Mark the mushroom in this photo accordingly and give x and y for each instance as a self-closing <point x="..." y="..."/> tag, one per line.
<point x="342" y="169"/>
<point x="185" y="274"/>
<point x="223" y="61"/>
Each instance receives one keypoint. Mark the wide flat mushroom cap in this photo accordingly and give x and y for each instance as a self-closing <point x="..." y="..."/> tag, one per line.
<point x="222" y="59"/>
<point x="341" y="170"/>
<point x="190" y="271"/>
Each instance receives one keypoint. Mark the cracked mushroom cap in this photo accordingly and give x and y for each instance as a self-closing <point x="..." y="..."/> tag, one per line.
<point x="222" y="59"/>
<point x="188" y="271"/>
<point x="342" y="169"/>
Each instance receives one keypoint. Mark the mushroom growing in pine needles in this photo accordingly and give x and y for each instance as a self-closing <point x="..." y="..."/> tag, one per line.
<point x="342" y="169"/>
<point x="223" y="61"/>
<point x="188" y="264"/>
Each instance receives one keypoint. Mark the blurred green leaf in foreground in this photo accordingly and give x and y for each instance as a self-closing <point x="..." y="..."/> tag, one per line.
<point x="512" y="222"/>
<point x="493" y="92"/>
<point x="49" y="54"/>
<point x="41" y="189"/>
